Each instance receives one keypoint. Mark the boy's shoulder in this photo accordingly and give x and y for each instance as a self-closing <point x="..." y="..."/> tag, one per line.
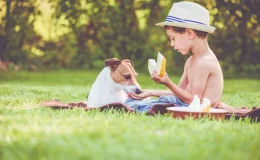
<point x="188" y="60"/>
<point x="206" y="61"/>
<point x="210" y="64"/>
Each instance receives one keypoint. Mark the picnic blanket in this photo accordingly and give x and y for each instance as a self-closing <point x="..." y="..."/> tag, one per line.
<point x="57" y="104"/>
<point x="253" y="115"/>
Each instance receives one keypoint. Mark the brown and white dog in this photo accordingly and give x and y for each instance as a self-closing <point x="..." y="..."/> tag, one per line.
<point x="113" y="83"/>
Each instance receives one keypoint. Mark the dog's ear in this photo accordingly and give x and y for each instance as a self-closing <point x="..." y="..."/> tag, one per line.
<point x="112" y="63"/>
<point x="129" y="61"/>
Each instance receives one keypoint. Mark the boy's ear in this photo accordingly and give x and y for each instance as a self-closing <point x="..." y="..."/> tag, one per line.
<point x="190" y="33"/>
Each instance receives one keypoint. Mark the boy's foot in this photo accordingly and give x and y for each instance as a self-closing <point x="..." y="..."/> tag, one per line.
<point x="253" y="114"/>
<point x="242" y="110"/>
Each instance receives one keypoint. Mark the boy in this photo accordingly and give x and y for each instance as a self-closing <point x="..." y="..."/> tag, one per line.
<point x="187" y="26"/>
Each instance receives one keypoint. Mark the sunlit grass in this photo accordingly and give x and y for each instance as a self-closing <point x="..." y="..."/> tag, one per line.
<point x="28" y="131"/>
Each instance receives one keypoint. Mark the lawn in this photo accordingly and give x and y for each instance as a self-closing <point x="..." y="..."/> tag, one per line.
<point x="28" y="131"/>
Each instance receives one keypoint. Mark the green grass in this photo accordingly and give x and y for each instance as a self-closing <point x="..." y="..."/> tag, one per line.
<point x="28" y="131"/>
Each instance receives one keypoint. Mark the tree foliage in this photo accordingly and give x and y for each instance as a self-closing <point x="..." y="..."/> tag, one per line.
<point x="102" y="29"/>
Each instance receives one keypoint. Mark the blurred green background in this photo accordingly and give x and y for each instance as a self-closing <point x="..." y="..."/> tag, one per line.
<point x="66" y="34"/>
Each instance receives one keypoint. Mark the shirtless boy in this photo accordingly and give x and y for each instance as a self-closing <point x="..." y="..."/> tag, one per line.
<point x="187" y="27"/>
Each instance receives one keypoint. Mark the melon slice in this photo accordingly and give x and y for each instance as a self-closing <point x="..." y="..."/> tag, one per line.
<point x="159" y="66"/>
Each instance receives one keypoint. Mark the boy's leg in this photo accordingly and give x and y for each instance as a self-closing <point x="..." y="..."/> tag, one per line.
<point x="232" y="109"/>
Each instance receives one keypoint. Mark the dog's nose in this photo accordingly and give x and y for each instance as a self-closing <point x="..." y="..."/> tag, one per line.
<point x="138" y="91"/>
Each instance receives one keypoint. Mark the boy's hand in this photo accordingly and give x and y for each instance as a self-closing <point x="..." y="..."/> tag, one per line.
<point x="142" y="95"/>
<point x="164" y="80"/>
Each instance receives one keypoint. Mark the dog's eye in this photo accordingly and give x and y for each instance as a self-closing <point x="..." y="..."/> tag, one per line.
<point x="127" y="77"/>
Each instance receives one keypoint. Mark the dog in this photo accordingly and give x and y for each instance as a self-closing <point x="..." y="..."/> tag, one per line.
<point x="113" y="83"/>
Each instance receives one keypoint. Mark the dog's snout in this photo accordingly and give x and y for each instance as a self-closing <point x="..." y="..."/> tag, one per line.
<point x="138" y="91"/>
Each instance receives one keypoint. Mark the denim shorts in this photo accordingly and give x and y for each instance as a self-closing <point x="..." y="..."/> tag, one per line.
<point x="144" y="105"/>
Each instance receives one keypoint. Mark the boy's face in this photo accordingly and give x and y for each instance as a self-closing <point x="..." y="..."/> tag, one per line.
<point x="180" y="42"/>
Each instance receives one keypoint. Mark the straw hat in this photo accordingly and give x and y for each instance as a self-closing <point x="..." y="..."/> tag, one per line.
<point x="188" y="15"/>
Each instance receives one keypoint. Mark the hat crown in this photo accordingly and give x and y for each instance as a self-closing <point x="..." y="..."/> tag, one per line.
<point x="189" y="12"/>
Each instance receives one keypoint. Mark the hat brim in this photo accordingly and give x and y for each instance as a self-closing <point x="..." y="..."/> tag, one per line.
<point x="199" y="27"/>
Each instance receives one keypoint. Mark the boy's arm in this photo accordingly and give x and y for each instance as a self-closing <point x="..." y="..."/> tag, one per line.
<point x="198" y="84"/>
<point x="184" y="95"/>
<point x="182" y="84"/>
<point x="200" y="78"/>
<point x="158" y="93"/>
<point x="183" y="81"/>
<point x="184" y="78"/>
<point x="148" y="93"/>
